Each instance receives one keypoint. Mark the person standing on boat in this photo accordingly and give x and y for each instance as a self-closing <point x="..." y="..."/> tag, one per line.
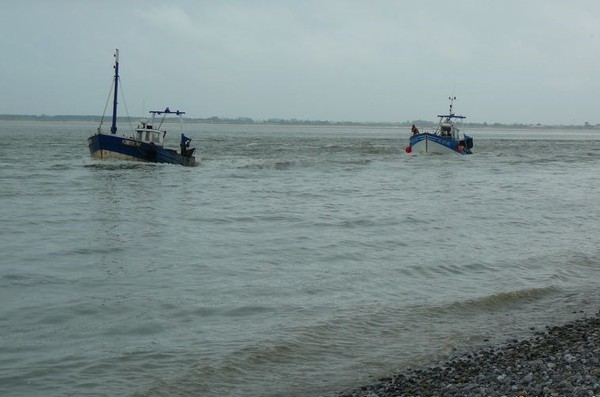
<point x="184" y="144"/>
<point x="414" y="130"/>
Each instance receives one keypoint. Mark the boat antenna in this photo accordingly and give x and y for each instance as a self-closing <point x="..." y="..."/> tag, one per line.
<point x="113" y="128"/>
<point x="452" y="99"/>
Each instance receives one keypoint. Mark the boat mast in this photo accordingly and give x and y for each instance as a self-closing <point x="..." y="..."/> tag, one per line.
<point x="450" y="115"/>
<point x="113" y="128"/>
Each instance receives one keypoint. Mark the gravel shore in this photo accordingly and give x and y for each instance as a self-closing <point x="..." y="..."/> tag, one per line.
<point x="561" y="361"/>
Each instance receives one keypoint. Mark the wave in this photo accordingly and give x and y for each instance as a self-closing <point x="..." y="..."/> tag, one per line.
<point x="28" y="280"/>
<point x="281" y="164"/>
<point x="118" y="165"/>
<point x="497" y="301"/>
<point x="258" y="368"/>
<point x="268" y="164"/>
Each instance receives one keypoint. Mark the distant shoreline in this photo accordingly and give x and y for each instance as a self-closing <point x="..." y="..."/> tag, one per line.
<point x="275" y="121"/>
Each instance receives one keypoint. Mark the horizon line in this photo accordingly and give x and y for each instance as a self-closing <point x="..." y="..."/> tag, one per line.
<point x="290" y="121"/>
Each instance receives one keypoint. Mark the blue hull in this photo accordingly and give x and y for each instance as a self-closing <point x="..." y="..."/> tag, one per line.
<point x="432" y="143"/>
<point x="104" y="146"/>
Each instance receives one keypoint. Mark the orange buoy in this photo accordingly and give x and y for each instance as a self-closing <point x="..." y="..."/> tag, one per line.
<point x="408" y="149"/>
<point x="459" y="148"/>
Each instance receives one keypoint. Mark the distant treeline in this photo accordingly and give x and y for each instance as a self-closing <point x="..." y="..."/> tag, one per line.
<point x="277" y="121"/>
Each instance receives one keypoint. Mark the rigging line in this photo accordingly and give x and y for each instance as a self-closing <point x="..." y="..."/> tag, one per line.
<point x="126" y="110"/>
<point x="162" y="120"/>
<point x="112" y="86"/>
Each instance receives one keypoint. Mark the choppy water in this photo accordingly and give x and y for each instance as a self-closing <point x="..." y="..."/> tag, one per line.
<point x="293" y="261"/>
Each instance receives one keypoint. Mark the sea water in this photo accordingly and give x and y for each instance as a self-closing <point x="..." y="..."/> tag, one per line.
<point x="292" y="261"/>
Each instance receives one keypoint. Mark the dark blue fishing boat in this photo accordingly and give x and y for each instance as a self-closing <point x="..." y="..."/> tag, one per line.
<point x="147" y="141"/>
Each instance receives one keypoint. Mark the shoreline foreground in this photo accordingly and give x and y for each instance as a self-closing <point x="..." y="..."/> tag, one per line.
<point x="560" y="361"/>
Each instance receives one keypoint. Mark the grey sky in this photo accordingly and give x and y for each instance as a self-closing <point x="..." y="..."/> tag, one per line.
<point x="507" y="61"/>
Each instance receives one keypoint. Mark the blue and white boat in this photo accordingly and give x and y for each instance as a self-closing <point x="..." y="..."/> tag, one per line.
<point x="145" y="143"/>
<point x="446" y="138"/>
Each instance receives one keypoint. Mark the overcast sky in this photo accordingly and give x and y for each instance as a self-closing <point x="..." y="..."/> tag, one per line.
<point x="524" y="61"/>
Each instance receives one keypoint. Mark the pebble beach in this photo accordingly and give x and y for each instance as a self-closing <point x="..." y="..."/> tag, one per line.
<point x="559" y="361"/>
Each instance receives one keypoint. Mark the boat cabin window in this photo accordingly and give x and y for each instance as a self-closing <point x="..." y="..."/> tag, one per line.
<point x="152" y="136"/>
<point x="446" y="129"/>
